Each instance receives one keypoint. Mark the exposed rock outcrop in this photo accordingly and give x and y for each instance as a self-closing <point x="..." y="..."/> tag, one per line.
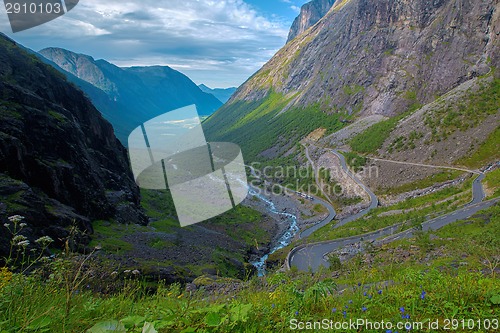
<point x="383" y="55"/>
<point x="310" y="14"/>
<point x="363" y="58"/>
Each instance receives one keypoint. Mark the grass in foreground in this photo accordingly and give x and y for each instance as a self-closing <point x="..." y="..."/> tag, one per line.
<point x="449" y="275"/>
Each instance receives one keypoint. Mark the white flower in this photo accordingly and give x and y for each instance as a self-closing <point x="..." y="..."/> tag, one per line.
<point x="136" y="272"/>
<point x="24" y="243"/>
<point x="16" y="219"/>
<point x="6" y="225"/>
<point x="18" y="238"/>
<point x="22" y="225"/>
<point x="44" y="241"/>
<point x="126" y="271"/>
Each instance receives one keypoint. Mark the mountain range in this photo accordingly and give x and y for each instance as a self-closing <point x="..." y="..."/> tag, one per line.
<point x="128" y="97"/>
<point x="60" y="162"/>
<point x="222" y="94"/>
<point x="396" y="103"/>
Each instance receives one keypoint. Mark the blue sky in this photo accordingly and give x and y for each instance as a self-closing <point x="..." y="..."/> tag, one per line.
<point x="216" y="42"/>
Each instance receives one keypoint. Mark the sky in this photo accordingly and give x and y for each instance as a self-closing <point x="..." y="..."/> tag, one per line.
<point x="220" y="43"/>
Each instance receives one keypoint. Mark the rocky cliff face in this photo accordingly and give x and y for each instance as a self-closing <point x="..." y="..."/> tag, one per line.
<point x="310" y="14"/>
<point x="60" y="162"/>
<point x="365" y="57"/>
<point x="134" y="95"/>
<point x="380" y="56"/>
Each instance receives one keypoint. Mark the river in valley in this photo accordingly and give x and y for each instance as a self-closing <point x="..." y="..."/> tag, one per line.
<point x="283" y="241"/>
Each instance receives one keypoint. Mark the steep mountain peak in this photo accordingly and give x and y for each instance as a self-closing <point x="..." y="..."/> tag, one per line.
<point x="82" y="66"/>
<point x="310" y="14"/>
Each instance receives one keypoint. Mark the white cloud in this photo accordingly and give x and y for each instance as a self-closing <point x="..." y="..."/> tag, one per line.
<point x="199" y="35"/>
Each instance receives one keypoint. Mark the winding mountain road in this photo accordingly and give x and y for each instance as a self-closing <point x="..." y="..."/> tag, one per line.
<point x="312" y="256"/>
<point x="425" y="165"/>
<point x="331" y="216"/>
<point x="373" y="197"/>
<point x="316" y="173"/>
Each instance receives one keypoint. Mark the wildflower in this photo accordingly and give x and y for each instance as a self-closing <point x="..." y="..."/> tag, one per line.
<point x="18" y="238"/>
<point x="24" y="243"/>
<point x="44" y="241"/>
<point x="136" y="272"/>
<point x="22" y="225"/>
<point x="388" y="331"/>
<point x="273" y="306"/>
<point x="365" y="293"/>
<point x="364" y="309"/>
<point x="402" y="309"/>
<point x="359" y="284"/>
<point x="296" y="313"/>
<point x="380" y="292"/>
<point x="6" y="225"/>
<point x="370" y="296"/>
<point x="350" y="301"/>
<point x="16" y="219"/>
<point x="126" y="271"/>
<point x="422" y="295"/>
<point x="344" y="314"/>
<point x="346" y="307"/>
<point x="5" y="277"/>
<point x="334" y="310"/>
<point x="114" y="273"/>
